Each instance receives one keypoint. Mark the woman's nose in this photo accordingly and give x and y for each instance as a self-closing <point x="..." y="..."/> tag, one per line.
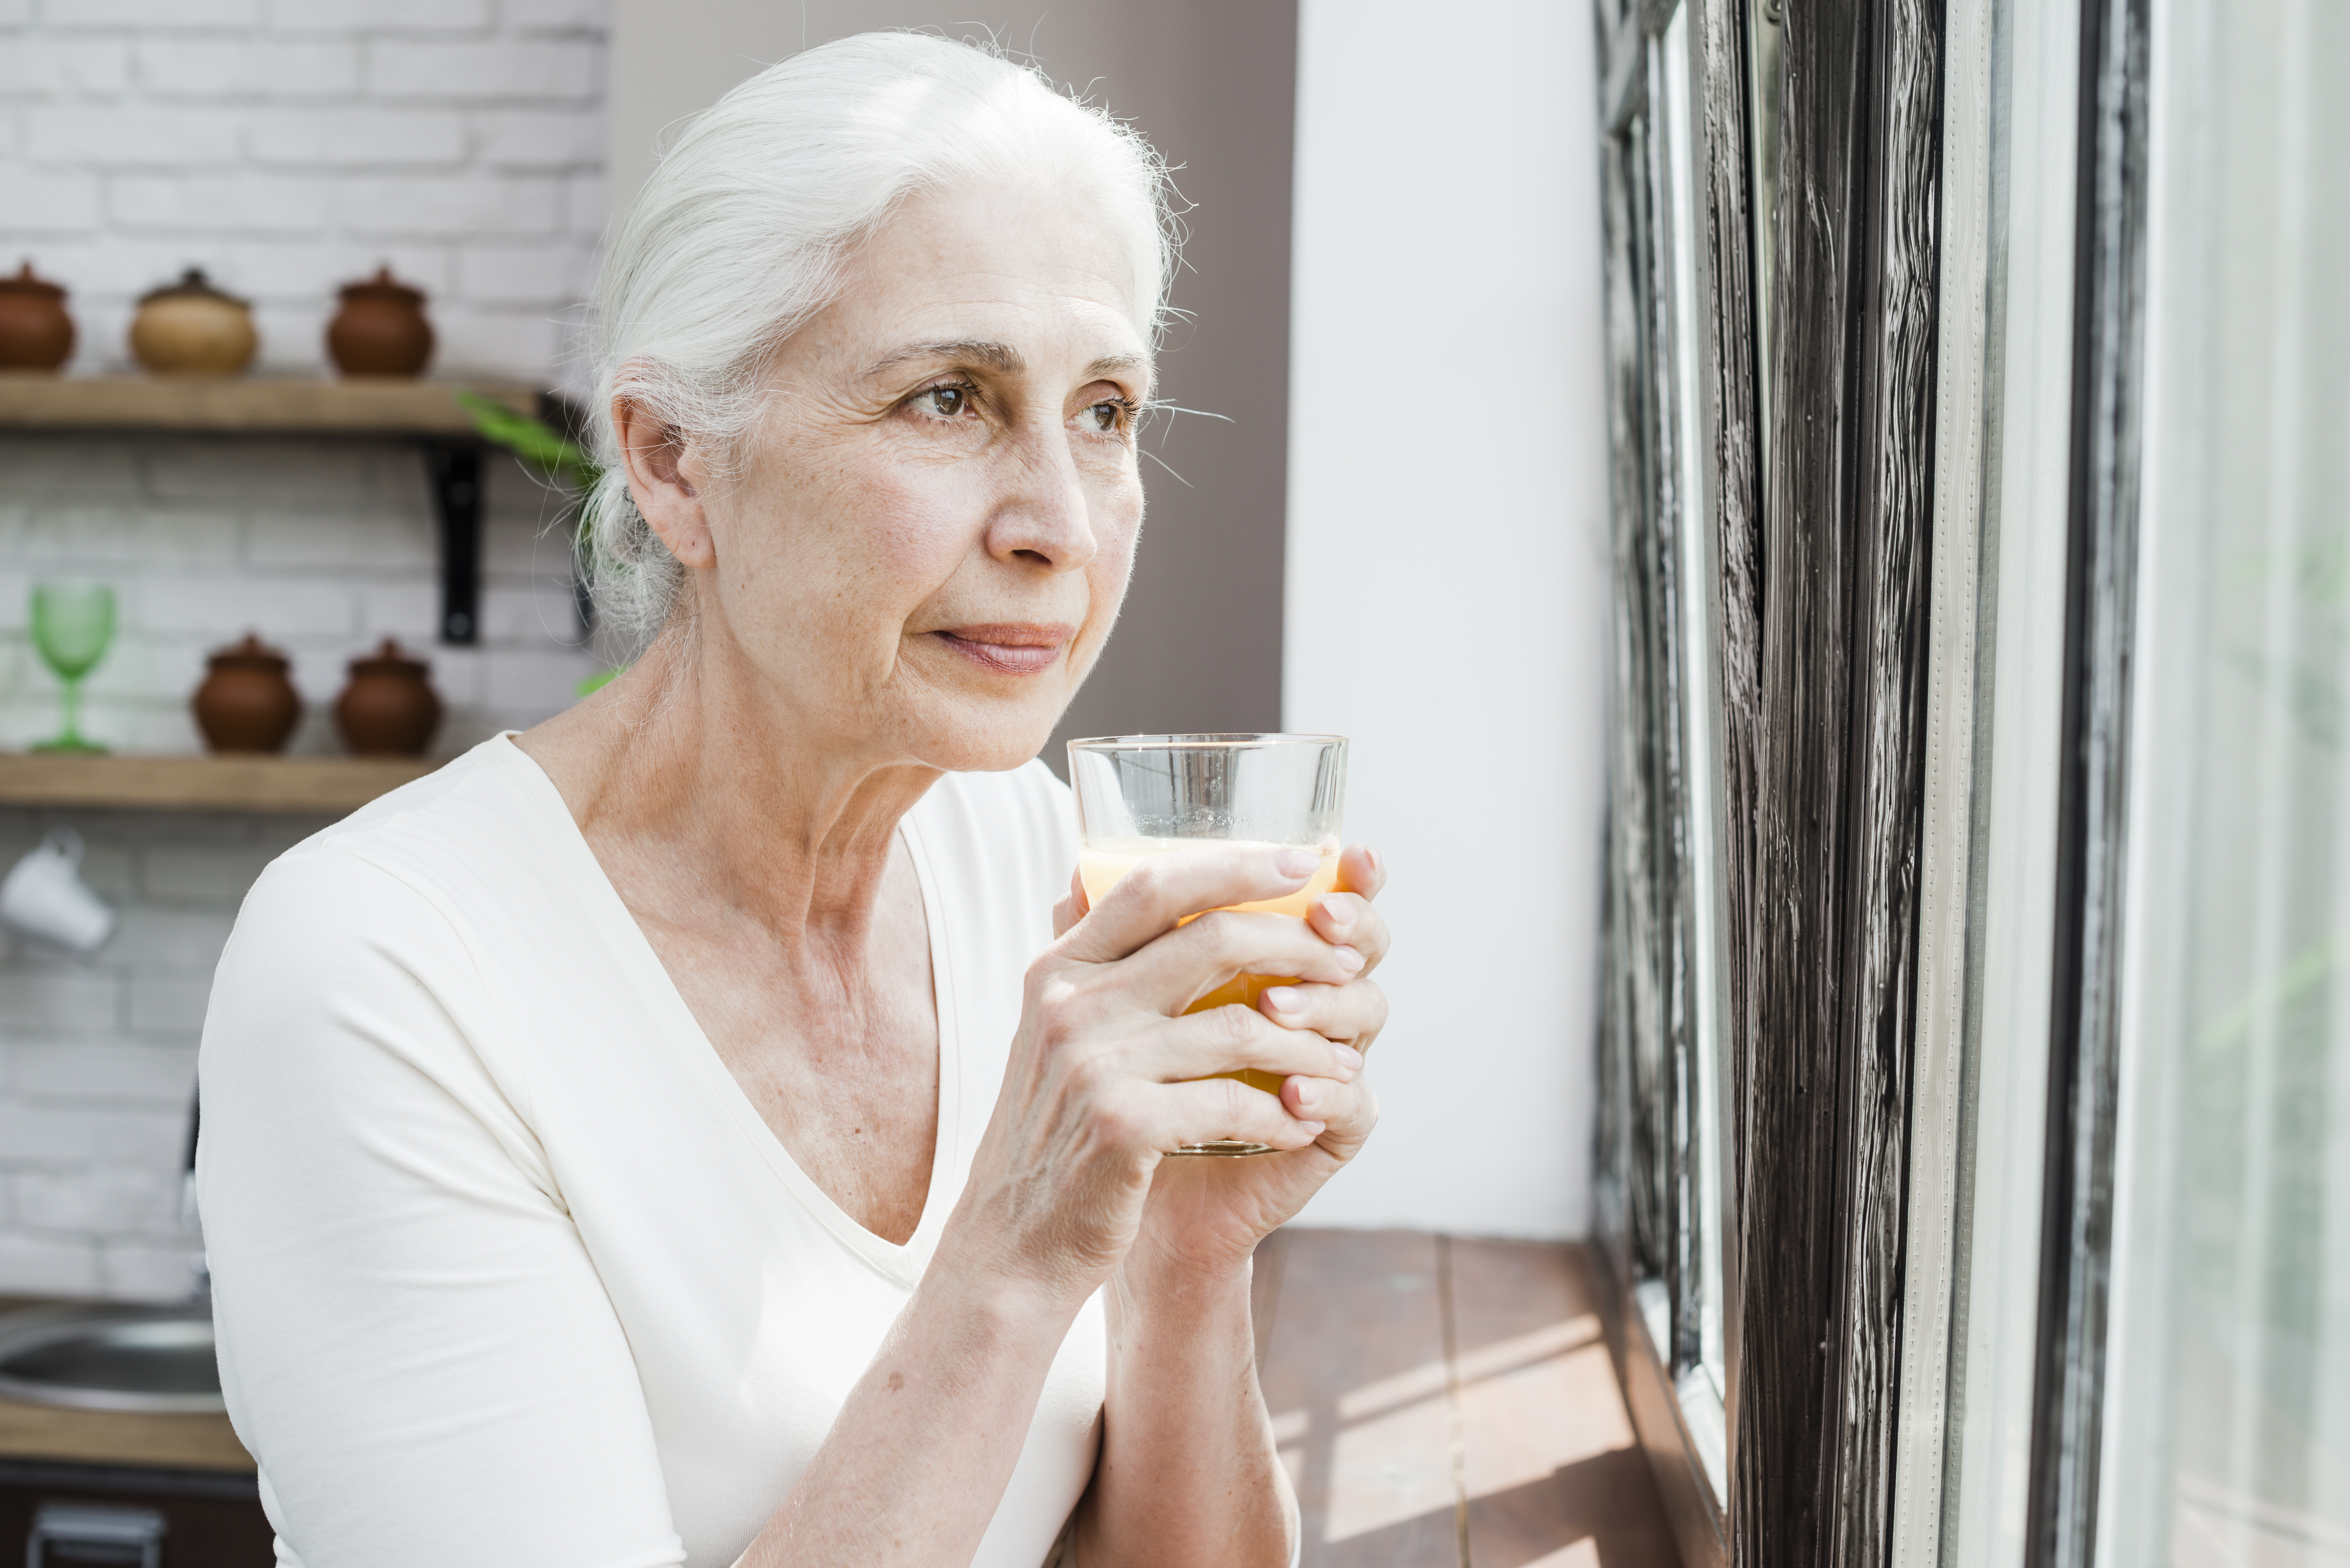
<point x="1046" y="516"/>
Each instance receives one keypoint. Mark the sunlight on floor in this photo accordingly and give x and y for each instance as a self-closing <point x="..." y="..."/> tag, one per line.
<point x="1443" y="1402"/>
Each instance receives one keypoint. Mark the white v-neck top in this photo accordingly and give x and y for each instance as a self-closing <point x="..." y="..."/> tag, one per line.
<point x="507" y="1269"/>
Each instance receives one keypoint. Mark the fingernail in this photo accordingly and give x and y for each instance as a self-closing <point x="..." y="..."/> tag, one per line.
<point x="1334" y="913"/>
<point x="1371" y="856"/>
<point x="1308" y="1093"/>
<point x="1349" y="1057"/>
<point x="1285" y="999"/>
<point x="1297" y="862"/>
<point x="1348" y="959"/>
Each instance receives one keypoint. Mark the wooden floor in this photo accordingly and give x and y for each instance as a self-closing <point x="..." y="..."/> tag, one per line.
<point x="1448" y="1403"/>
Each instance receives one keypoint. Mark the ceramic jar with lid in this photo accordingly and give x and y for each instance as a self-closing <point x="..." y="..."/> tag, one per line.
<point x="191" y="329"/>
<point x="388" y="710"/>
<point x="381" y="329"/>
<point x="35" y="333"/>
<point x="247" y="702"/>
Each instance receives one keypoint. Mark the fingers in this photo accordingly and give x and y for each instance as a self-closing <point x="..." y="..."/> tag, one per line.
<point x="1163" y="890"/>
<point x="1349" y="919"/>
<point x="1360" y="870"/>
<point x="1185" y="965"/>
<point x="1070" y="910"/>
<point x="1309" y="1109"/>
<point x="1234" y="1039"/>
<point x="1347" y="1112"/>
<point x="1217" y="1108"/>
<point x="1352" y="1014"/>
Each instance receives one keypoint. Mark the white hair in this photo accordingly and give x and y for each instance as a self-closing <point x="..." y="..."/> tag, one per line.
<point x="741" y="232"/>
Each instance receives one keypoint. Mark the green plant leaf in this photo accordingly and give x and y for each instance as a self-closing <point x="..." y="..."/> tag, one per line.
<point x="536" y="442"/>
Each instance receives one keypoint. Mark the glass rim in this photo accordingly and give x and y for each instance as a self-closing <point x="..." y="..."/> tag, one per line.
<point x="1233" y="740"/>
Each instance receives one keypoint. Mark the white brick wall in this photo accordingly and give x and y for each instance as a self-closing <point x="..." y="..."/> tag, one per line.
<point x="324" y="547"/>
<point x="286" y="146"/>
<point x="290" y="146"/>
<point x="97" y="1056"/>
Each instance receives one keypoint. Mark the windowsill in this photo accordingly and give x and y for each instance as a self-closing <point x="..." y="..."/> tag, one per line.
<point x="1696" y="1390"/>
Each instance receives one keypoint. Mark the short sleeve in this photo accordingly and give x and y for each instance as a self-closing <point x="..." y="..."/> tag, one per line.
<point x="413" y="1341"/>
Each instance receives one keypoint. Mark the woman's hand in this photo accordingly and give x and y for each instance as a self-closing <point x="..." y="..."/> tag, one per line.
<point x="1108" y="1072"/>
<point x="1206" y="1213"/>
<point x="1209" y="1214"/>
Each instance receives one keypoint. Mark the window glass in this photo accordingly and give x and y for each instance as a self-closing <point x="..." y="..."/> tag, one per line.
<point x="1660" y="1165"/>
<point x="2227" y="1378"/>
<point x="1700" y="715"/>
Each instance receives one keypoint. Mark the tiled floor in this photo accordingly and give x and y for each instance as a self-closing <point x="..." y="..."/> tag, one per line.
<point x="1448" y="1403"/>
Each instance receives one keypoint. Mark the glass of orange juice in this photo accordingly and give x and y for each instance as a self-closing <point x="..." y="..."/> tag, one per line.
<point x="1141" y="796"/>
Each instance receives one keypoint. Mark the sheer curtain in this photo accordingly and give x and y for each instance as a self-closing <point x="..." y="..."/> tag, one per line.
<point x="2227" y="1387"/>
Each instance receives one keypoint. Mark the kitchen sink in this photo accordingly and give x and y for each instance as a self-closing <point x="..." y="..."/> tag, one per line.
<point x="156" y="1360"/>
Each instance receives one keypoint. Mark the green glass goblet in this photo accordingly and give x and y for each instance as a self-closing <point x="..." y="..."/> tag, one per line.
<point x="72" y="624"/>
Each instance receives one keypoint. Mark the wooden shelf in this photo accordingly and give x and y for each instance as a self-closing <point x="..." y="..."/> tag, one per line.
<point x="279" y="784"/>
<point x="248" y="405"/>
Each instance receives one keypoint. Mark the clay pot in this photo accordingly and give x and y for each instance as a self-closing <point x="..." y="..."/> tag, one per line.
<point x="388" y="709"/>
<point x="191" y="329"/>
<point x="246" y="703"/>
<point x="35" y="333"/>
<point x="380" y="331"/>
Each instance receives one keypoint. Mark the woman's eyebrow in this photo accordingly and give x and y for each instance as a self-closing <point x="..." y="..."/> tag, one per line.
<point x="998" y="356"/>
<point x="1004" y="359"/>
<point x="1111" y="366"/>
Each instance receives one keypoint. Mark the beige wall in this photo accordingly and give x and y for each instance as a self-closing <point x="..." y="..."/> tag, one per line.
<point x="1210" y="82"/>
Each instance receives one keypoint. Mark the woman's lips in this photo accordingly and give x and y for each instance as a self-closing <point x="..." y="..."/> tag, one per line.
<point x="1010" y="649"/>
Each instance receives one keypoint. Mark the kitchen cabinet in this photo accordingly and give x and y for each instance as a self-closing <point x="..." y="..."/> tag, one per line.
<point x="210" y="1519"/>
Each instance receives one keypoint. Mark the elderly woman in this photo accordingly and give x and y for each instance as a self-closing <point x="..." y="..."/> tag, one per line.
<point x="711" y="1127"/>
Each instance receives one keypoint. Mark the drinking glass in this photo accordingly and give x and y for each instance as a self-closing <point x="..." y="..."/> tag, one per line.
<point x="1142" y="795"/>
<point x="72" y="624"/>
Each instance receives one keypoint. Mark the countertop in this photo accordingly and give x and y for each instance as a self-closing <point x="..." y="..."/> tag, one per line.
<point x="101" y="1436"/>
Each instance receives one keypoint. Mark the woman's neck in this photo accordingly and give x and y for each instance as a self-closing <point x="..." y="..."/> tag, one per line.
<point x="691" y="782"/>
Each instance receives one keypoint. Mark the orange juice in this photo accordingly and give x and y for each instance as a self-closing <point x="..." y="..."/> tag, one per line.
<point x="1101" y="866"/>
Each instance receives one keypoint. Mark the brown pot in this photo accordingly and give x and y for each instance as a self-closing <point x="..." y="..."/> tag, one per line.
<point x="246" y="703"/>
<point x="388" y="709"/>
<point x="191" y="329"/>
<point x="380" y="331"/>
<point x="35" y="333"/>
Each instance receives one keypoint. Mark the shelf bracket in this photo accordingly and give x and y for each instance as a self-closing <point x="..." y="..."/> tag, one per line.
<point x="454" y="469"/>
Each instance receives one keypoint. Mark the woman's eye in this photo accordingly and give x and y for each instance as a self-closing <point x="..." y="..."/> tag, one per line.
<point x="1107" y="417"/>
<point x="946" y="402"/>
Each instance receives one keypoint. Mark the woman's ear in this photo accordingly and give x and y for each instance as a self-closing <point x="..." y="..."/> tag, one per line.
<point x="662" y="482"/>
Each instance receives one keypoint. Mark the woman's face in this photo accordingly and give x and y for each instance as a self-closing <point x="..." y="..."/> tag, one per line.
<point x="923" y="546"/>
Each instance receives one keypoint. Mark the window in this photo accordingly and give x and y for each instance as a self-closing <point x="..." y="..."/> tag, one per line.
<point x="1662" y="1156"/>
<point x="2227" y="1430"/>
